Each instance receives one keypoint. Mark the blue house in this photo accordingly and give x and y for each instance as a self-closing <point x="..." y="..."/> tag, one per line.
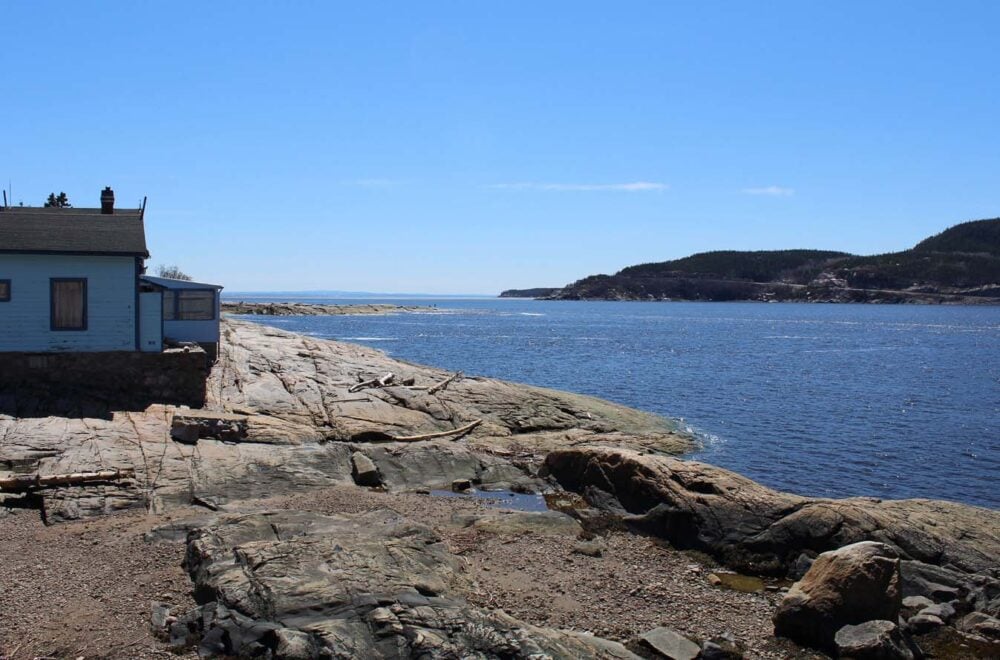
<point x="71" y="281"/>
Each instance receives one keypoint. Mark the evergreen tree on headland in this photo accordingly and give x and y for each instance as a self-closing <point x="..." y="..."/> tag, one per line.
<point x="58" y="201"/>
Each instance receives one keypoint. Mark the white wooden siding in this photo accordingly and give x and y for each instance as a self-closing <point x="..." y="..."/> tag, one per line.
<point x="25" y="319"/>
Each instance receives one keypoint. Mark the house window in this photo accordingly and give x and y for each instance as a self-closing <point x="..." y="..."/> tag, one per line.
<point x="68" y="303"/>
<point x="189" y="305"/>
<point x="169" y="300"/>
<point x="4" y="290"/>
<point x="195" y="305"/>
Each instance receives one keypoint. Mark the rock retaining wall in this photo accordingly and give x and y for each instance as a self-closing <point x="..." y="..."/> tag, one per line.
<point x="73" y="383"/>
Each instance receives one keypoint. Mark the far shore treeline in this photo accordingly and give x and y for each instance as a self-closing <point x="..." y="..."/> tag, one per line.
<point x="959" y="265"/>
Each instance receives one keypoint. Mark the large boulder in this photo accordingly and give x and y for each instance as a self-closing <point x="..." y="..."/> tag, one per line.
<point x="849" y="586"/>
<point x="758" y="530"/>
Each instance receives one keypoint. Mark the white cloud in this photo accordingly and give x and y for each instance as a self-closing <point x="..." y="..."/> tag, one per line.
<point x="770" y="191"/>
<point x="633" y="186"/>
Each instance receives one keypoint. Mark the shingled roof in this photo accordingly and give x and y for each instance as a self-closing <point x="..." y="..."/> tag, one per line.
<point x="72" y="231"/>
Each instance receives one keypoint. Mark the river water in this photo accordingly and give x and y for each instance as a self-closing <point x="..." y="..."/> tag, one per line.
<point x="886" y="401"/>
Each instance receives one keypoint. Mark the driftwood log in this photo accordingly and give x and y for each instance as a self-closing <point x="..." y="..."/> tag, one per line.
<point x="446" y="382"/>
<point x="437" y="387"/>
<point x="389" y="380"/>
<point x="459" y="432"/>
<point x="384" y="381"/>
<point x="31" y="481"/>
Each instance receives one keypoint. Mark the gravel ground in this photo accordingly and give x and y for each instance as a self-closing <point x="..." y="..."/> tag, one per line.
<point x="85" y="588"/>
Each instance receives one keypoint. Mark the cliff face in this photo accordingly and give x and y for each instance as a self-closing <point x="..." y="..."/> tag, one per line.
<point x="960" y="265"/>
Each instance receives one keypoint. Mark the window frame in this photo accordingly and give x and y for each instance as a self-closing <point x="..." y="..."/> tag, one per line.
<point x="9" y="294"/>
<point x="52" y="304"/>
<point x="176" y="307"/>
<point x="172" y="315"/>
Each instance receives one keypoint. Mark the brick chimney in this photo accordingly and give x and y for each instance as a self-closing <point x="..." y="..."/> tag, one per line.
<point x="107" y="201"/>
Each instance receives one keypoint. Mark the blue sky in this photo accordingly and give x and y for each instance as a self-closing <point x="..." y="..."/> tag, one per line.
<point x="467" y="147"/>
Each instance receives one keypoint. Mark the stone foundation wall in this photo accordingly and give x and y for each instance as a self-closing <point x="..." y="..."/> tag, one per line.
<point x="98" y="383"/>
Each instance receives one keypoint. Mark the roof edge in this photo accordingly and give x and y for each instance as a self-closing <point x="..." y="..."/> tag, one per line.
<point x="77" y="253"/>
<point x="164" y="283"/>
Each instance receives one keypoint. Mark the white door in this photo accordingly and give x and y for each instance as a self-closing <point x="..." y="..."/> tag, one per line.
<point x="151" y="322"/>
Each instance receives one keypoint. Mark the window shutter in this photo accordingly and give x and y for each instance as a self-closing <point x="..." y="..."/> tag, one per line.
<point x="69" y="304"/>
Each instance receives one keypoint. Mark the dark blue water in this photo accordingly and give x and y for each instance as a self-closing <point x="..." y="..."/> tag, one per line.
<point x="830" y="400"/>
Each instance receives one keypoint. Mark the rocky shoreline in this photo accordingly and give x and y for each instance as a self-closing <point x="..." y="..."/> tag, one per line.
<point x="296" y="516"/>
<point x="241" y="308"/>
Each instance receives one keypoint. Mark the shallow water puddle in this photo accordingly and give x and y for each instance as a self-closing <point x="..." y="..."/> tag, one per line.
<point x="747" y="584"/>
<point x="500" y="499"/>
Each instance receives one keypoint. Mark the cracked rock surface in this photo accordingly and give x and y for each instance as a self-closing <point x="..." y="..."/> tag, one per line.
<point x="371" y="585"/>
<point x="280" y="417"/>
<point x="296" y="380"/>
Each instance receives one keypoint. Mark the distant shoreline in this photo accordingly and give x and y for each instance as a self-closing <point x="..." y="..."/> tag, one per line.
<point x="316" y="309"/>
<point x="785" y="293"/>
<point x="948" y="301"/>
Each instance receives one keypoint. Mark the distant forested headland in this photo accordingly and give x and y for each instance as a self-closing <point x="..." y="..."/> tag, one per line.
<point x="959" y="265"/>
<point x="540" y="292"/>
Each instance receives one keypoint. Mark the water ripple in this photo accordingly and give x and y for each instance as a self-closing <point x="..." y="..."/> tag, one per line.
<point x="829" y="400"/>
